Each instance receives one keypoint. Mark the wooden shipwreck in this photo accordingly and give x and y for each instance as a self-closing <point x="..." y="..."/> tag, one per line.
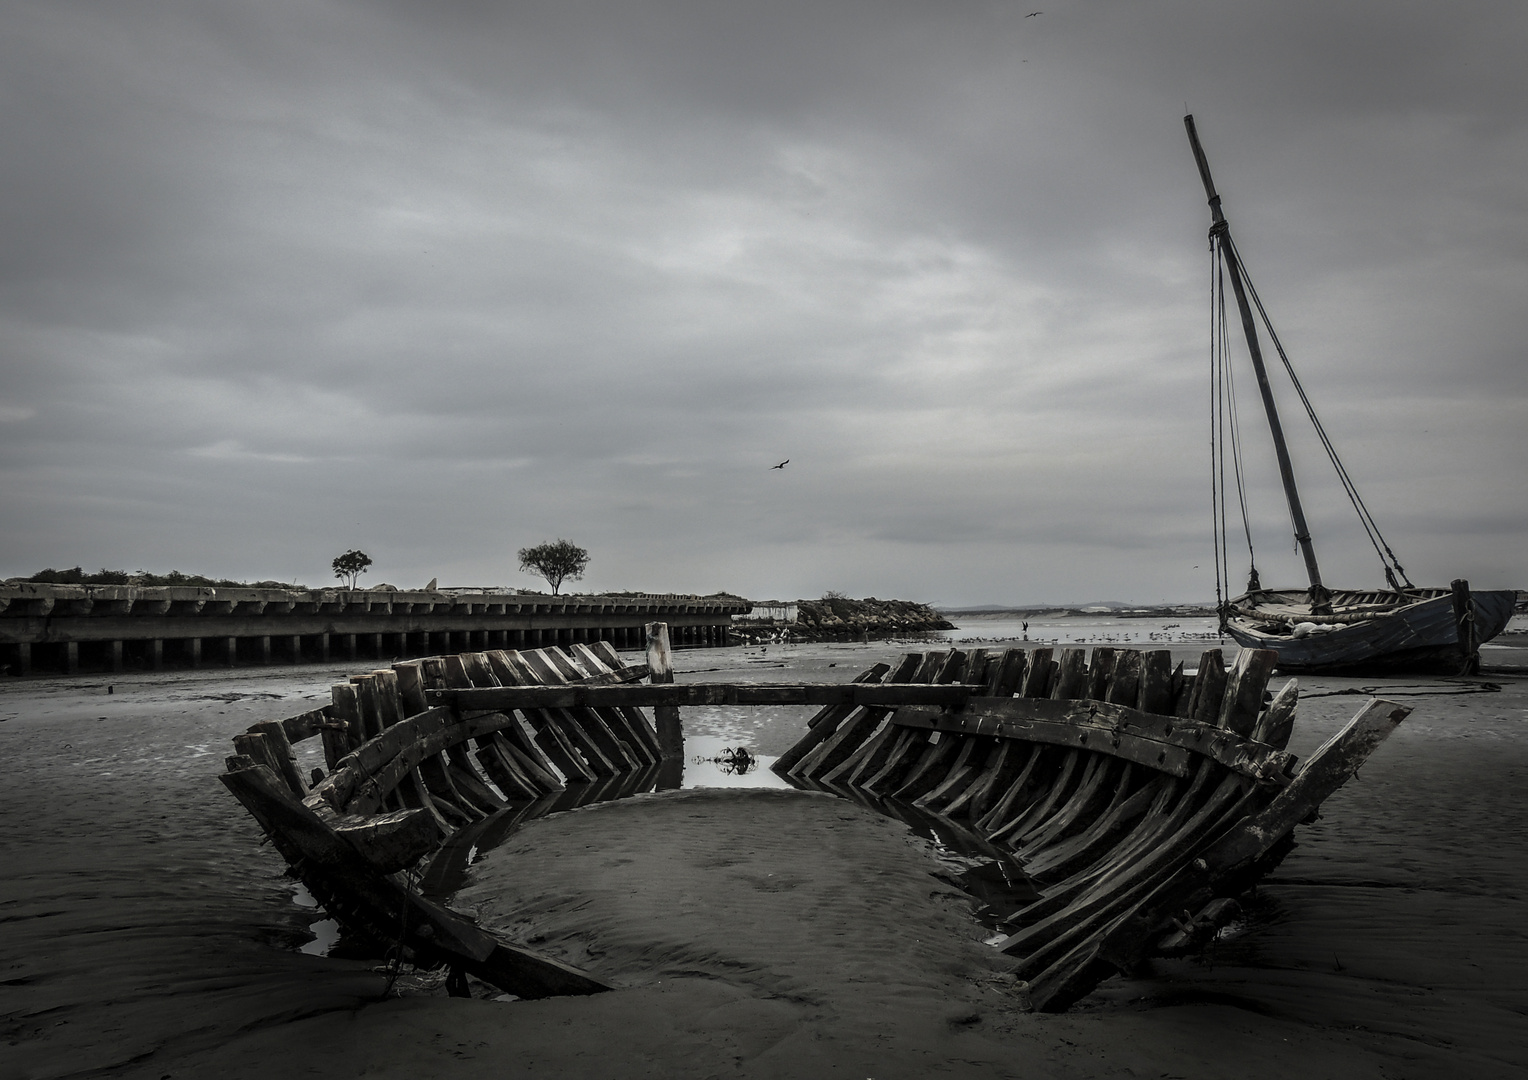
<point x="1131" y="801"/>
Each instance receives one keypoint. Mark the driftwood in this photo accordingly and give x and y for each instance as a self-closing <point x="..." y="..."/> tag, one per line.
<point x="1122" y="802"/>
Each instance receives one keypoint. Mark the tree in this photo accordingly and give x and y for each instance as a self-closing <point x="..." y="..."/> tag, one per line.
<point x="556" y="562"/>
<point x="349" y="566"/>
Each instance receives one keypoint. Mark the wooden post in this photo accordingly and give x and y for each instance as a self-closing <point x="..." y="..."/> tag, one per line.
<point x="231" y="650"/>
<point x="349" y="644"/>
<point x="1464" y="625"/>
<point x="71" y="657"/>
<point x="24" y="658"/>
<point x="156" y="653"/>
<point x="265" y="649"/>
<point x="116" y="655"/>
<point x="194" y="648"/>
<point x="660" y="665"/>
<point x="323" y="647"/>
<point x="296" y="648"/>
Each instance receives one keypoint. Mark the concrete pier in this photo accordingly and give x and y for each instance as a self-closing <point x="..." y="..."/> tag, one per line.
<point x="70" y="628"/>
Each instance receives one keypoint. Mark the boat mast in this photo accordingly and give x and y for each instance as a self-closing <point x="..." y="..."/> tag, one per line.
<point x="1320" y="599"/>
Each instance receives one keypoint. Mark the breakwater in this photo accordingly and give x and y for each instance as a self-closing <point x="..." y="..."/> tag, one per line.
<point x="71" y="628"/>
<point x="838" y="618"/>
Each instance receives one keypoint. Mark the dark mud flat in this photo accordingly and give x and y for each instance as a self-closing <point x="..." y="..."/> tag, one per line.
<point x="143" y="932"/>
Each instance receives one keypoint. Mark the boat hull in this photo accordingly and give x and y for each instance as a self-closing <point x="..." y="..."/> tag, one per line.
<point x="1419" y="636"/>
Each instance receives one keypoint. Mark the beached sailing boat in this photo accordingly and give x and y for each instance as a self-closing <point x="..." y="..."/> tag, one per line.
<point x="1319" y="628"/>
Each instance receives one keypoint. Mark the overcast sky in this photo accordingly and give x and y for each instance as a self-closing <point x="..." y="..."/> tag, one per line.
<point x="442" y="280"/>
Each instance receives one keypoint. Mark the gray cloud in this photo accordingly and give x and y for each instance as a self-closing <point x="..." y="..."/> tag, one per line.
<point x="443" y="280"/>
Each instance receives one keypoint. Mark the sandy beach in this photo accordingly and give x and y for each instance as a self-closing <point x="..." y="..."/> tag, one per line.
<point x="750" y="932"/>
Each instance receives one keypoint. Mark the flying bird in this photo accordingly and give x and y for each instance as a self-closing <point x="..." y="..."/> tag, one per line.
<point x="1032" y="14"/>
<point x="782" y="464"/>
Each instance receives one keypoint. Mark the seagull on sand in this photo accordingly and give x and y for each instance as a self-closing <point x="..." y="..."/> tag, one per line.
<point x="782" y="464"/>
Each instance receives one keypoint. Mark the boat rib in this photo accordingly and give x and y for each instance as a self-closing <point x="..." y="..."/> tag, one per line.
<point x="1136" y="799"/>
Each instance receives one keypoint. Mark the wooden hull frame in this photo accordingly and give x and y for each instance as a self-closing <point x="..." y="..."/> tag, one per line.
<point x="1140" y="802"/>
<point x="1134" y="802"/>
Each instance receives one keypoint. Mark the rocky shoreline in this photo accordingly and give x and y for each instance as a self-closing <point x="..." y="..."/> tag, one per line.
<point x="838" y="618"/>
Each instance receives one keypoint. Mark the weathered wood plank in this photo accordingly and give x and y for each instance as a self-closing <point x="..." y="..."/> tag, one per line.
<point x="836" y="713"/>
<point x="526" y="745"/>
<point x="835" y="738"/>
<point x="1094" y="792"/>
<point x="1058" y="787"/>
<point x="342" y="705"/>
<point x="572" y="696"/>
<point x="306" y="725"/>
<point x="572" y="751"/>
<point x="391" y="841"/>
<point x="410" y="675"/>
<point x="552" y="669"/>
<point x="977" y="667"/>
<point x="1132" y="800"/>
<point x="1018" y="792"/>
<point x="1156" y="690"/>
<point x="1037" y="682"/>
<point x="660" y="665"/>
<point x="421" y="752"/>
<point x="1125" y="681"/>
<point x="930" y="769"/>
<point x="1041" y="943"/>
<point x="371" y="902"/>
<point x="1243" y="698"/>
<point x="1071" y="675"/>
<point x="1008" y="673"/>
<point x="629" y="724"/>
<point x="1182" y="689"/>
<point x="495" y="753"/>
<point x="1100" y="670"/>
<point x="1278" y="721"/>
<point x="1003" y="764"/>
<point x="953" y="668"/>
<point x="904" y="753"/>
<point x="1324" y="772"/>
<point x="1209" y="687"/>
<point x="1163" y="743"/>
<point x="636" y="722"/>
<point x="1139" y="821"/>
<point x="875" y="753"/>
<point x="962" y="772"/>
<point x="281" y="747"/>
<point x="258" y="747"/>
<point x="865" y="762"/>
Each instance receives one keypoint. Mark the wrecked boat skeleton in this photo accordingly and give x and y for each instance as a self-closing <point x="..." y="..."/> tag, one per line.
<point x="1137" y="799"/>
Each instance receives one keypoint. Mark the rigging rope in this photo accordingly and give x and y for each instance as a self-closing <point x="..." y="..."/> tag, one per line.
<point x="1394" y="573"/>
<point x="1225" y="438"/>
<point x="1217" y="474"/>
<point x="1236" y="441"/>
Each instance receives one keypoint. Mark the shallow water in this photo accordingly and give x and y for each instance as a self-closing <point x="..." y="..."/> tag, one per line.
<point x="1061" y="628"/>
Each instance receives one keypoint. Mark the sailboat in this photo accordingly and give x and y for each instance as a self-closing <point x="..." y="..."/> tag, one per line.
<point x="1401" y="627"/>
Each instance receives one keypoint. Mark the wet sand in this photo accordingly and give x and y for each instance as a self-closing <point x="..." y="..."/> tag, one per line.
<point x="753" y="933"/>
